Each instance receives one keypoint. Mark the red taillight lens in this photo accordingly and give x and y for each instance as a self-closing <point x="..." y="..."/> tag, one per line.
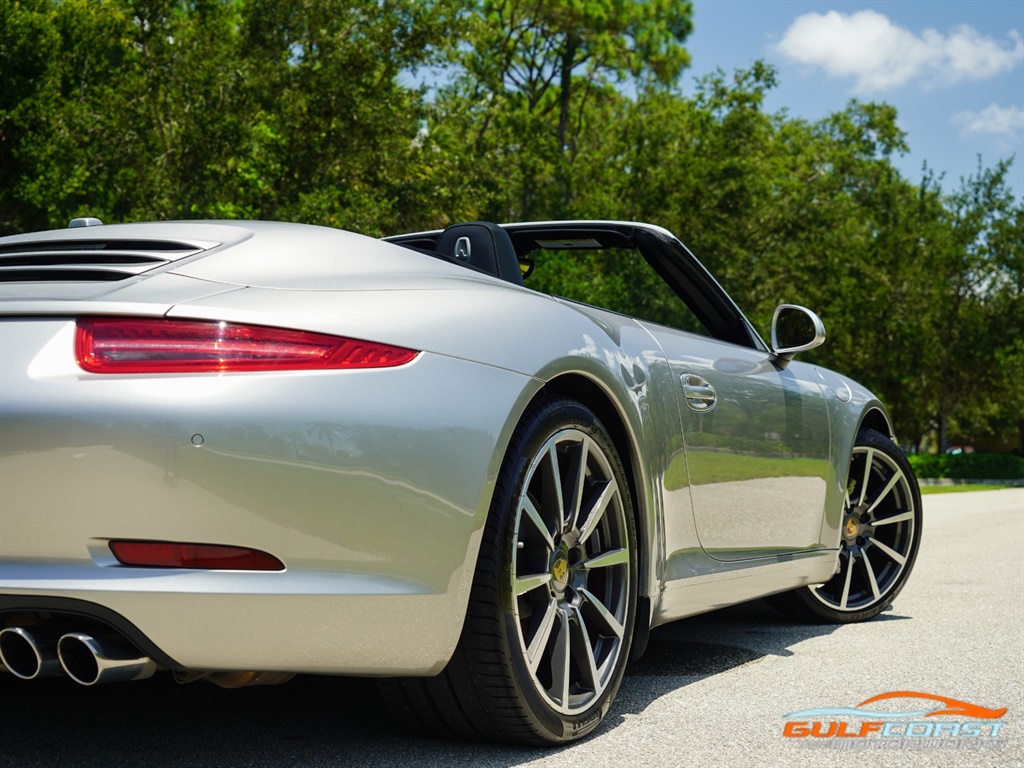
<point x="158" y="345"/>
<point x="167" y="554"/>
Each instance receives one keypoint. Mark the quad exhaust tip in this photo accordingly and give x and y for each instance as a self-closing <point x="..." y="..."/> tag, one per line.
<point x="89" y="661"/>
<point x="50" y="650"/>
<point x="44" y="651"/>
<point x="30" y="652"/>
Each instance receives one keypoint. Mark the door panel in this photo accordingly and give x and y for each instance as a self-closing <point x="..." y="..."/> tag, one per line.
<point x="757" y="447"/>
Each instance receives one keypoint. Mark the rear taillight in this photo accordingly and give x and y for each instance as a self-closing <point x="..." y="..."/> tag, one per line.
<point x="159" y="345"/>
<point x="169" y="554"/>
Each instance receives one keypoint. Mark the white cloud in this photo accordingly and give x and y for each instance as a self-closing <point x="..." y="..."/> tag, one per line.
<point x="1002" y="122"/>
<point x="881" y="55"/>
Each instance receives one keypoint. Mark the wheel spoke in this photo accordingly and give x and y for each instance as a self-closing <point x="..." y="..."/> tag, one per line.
<point x="901" y="517"/>
<point x="540" y="640"/>
<point x="597" y="508"/>
<point x="846" y="585"/>
<point x="583" y="651"/>
<point x="892" y="553"/>
<point x="869" y="458"/>
<point x="577" y="476"/>
<point x="897" y="476"/>
<point x="553" y="486"/>
<point x="611" y="626"/>
<point x="605" y="559"/>
<point x="871" y="576"/>
<point x="534" y="517"/>
<point x="526" y="584"/>
<point x="560" y="663"/>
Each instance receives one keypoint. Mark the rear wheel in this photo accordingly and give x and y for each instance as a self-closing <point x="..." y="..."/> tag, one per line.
<point x="881" y="534"/>
<point x="553" y="603"/>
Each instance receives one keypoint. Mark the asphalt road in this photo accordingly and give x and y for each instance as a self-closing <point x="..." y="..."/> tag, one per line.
<point x="712" y="690"/>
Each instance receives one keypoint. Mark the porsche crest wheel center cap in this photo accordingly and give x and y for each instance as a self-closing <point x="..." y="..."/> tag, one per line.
<point x="560" y="571"/>
<point x="852" y="527"/>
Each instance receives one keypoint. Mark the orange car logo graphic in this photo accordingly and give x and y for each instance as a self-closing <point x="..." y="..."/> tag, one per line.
<point x="948" y="707"/>
<point x="952" y="706"/>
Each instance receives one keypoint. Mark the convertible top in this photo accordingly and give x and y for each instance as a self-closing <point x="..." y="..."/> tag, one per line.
<point x="667" y="256"/>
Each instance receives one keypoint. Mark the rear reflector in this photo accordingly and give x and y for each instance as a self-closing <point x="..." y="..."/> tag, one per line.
<point x="159" y="345"/>
<point x="168" y="554"/>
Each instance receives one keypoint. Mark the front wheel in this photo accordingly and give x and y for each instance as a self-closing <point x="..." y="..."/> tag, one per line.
<point x="553" y="602"/>
<point x="881" y="534"/>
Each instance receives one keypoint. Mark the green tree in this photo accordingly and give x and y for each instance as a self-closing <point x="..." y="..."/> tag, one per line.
<point x="335" y="134"/>
<point x="529" y="81"/>
<point x="143" y="109"/>
<point x="302" y="110"/>
<point x="29" y="79"/>
<point x="976" y="321"/>
<point x="129" y="116"/>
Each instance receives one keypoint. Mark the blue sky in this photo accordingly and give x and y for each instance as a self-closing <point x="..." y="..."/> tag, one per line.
<point x="953" y="70"/>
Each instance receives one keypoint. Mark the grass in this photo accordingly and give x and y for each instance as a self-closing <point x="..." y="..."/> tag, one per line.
<point x="714" y="467"/>
<point x="926" y="489"/>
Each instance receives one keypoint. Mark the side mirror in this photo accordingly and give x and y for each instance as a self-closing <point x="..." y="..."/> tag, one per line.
<point x="794" y="329"/>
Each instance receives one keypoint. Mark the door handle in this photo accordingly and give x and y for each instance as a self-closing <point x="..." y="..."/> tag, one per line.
<point x="698" y="393"/>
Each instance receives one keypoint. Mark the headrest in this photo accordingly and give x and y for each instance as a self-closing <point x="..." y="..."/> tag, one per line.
<point x="483" y="245"/>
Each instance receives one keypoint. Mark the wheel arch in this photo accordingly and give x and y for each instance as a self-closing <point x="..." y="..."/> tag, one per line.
<point x="595" y="397"/>
<point x="875" y="418"/>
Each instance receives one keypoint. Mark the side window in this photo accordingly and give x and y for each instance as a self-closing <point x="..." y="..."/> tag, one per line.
<point x="617" y="279"/>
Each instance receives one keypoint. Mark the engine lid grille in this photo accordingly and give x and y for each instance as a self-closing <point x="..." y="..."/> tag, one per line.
<point x="92" y="260"/>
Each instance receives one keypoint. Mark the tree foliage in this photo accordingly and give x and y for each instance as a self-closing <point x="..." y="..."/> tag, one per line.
<point x="309" y="111"/>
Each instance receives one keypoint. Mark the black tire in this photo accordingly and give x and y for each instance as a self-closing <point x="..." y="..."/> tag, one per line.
<point x="553" y="603"/>
<point x="880" y="538"/>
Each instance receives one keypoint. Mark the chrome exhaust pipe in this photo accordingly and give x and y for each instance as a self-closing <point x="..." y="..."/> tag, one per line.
<point x="89" y="661"/>
<point x="30" y="652"/>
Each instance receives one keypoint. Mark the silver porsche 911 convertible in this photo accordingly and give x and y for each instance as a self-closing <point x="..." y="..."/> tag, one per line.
<point x="243" y="450"/>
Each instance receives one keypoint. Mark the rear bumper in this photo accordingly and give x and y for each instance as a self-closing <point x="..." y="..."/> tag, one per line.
<point x="371" y="486"/>
<point x="353" y="634"/>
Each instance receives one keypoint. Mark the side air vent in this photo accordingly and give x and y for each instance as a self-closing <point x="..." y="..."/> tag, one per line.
<point x="72" y="260"/>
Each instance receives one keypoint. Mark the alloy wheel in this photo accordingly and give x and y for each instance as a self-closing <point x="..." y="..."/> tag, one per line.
<point x="570" y="571"/>
<point x="878" y="533"/>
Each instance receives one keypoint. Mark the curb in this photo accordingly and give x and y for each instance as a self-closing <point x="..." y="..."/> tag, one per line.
<point x="1016" y="482"/>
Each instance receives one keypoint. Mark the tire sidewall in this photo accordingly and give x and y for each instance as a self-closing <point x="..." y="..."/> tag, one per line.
<point x="551" y="418"/>
<point x="872" y="439"/>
